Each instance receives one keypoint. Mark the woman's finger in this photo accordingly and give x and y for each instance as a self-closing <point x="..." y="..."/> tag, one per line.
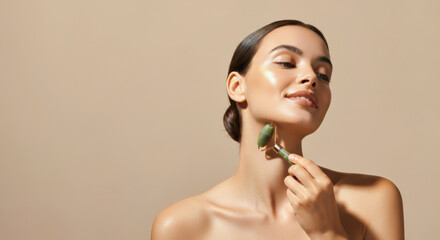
<point x="293" y="199"/>
<point x="314" y="170"/>
<point x="297" y="188"/>
<point x="302" y="175"/>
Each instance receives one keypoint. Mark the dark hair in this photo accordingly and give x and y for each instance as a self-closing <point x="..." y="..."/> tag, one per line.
<point x="240" y="62"/>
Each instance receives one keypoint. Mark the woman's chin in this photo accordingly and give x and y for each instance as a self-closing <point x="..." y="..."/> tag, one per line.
<point x="298" y="123"/>
<point x="302" y="128"/>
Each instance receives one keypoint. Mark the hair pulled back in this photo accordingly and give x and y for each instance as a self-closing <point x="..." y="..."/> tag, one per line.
<point x="241" y="59"/>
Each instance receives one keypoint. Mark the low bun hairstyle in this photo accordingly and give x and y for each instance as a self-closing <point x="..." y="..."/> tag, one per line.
<point x="240" y="62"/>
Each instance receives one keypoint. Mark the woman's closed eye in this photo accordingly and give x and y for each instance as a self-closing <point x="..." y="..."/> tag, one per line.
<point x="323" y="77"/>
<point x="286" y="64"/>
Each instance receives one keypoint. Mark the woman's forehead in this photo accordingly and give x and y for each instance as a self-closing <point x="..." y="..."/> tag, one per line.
<point x="310" y="43"/>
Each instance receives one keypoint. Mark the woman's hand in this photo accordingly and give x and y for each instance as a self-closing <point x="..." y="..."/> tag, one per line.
<point x="310" y="192"/>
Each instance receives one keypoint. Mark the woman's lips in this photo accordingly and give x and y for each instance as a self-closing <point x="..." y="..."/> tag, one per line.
<point x="303" y="102"/>
<point x="311" y="100"/>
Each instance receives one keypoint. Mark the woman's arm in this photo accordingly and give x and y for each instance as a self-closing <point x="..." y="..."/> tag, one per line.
<point x="377" y="203"/>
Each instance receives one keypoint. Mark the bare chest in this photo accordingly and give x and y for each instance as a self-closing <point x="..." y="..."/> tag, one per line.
<point x="254" y="230"/>
<point x="243" y="229"/>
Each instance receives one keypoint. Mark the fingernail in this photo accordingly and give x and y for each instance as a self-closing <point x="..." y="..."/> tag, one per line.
<point x="292" y="157"/>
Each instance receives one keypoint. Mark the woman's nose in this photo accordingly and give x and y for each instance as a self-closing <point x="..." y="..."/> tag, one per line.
<point x="309" y="81"/>
<point x="308" y="78"/>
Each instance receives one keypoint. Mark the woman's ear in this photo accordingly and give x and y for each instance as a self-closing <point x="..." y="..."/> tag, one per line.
<point x="236" y="86"/>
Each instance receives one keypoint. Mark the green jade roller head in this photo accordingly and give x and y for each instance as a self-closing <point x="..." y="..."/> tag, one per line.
<point x="266" y="134"/>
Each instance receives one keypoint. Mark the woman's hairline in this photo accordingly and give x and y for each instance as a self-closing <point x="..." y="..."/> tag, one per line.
<point x="259" y="42"/>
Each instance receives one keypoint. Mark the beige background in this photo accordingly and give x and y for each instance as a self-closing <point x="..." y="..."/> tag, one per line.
<point x="112" y="110"/>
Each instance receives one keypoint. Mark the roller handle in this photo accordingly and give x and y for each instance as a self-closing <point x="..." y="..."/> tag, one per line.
<point x="282" y="152"/>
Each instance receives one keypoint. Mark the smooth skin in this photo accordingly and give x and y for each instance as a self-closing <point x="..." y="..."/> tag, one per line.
<point x="267" y="198"/>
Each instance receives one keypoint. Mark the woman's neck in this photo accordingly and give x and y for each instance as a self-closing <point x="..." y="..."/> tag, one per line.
<point x="260" y="175"/>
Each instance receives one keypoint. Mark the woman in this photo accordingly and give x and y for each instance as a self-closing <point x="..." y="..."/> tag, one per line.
<point x="281" y="74"/>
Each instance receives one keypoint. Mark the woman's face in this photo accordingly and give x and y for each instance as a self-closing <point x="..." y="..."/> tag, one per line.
<point x="289" y="59"/>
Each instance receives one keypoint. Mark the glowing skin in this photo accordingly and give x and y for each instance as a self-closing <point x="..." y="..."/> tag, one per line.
<point x="268" y="199"/>
<point x="276" y="70"/>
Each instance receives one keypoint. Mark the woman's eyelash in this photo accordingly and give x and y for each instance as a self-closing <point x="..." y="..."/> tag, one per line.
<point x="287" y="64"/>
<point x="323" y="76"/>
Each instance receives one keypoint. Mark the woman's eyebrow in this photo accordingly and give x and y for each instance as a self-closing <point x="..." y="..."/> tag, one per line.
<point x="325" y="59"/>
<point x="299" y="52"/>
<point x="291" y="48"/>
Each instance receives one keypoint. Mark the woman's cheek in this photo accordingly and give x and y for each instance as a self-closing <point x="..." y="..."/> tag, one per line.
<point x="325" y="102"/>
<point x="270" y="76"/>
<point x="279" y="79"/>
<point x="328" y="96"/>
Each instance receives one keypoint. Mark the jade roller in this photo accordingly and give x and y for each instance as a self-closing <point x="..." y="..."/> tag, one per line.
<point x="265" y="136"/>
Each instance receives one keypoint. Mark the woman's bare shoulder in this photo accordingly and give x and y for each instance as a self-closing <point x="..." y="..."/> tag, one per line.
<point x="376" y="200"/>
<point x="363" y="185"/>
<point x="185" y="219"/>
